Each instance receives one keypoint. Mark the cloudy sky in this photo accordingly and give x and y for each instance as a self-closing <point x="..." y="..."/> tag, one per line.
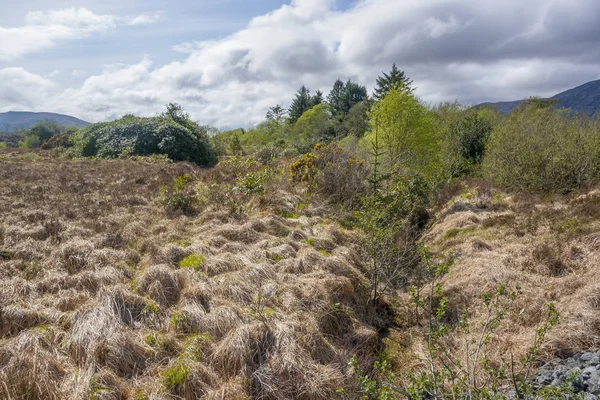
<point x="228" y="61"/>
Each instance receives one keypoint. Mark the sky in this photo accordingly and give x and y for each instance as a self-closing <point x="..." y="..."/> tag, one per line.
<point x="228" y="61"/>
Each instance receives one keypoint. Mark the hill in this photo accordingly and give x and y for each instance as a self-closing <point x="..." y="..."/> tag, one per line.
<point x="584" y="98"/>
<point x="13" y="120"/>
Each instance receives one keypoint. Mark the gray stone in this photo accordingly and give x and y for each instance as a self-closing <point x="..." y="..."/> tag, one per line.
<point x="585" y="357"/>
<point x="590" y="396"/>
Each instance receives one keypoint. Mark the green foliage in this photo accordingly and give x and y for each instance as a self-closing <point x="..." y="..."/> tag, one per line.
<point x="344" y="96"/>
<point x="276" y="113"/>
<point x="3" y="146"/>
<point x="473" y="134"/>
<point x="314" y="126"/>
<point x="301" y="103"/>
<point x="332" y="172"/>
<point x="395" y="79"/>
<point x="539" y="149"/>
<point x="253" y="182"/>
<point x="172" y="133"/>
<point x="466" y="376"/>
<point x="176" y="376"/>
<point x="193" y="261"/>
<point x="30" y="142"/>
<point x="404" y="131"/>
<point x="180" y="197"/>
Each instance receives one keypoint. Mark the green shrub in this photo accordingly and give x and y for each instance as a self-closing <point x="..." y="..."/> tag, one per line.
<point x="3" y="146"/>
<point x="180" y="197"/>
<point x="30" y="142"/>
<point x="540" y="149"/>
<point x="176" y="376"/>
<point x="194" y="261"/>
<point x="176" y="136"/>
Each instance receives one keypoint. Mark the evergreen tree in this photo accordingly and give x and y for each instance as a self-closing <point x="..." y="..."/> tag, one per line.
<point x="345" y="95"/>
<point x="276" y="113"/>
<point x="353" y="94"/>
<point x="301" y="103"/>
<point x="317" y="99"/>
<point x="388" y="81"/>
<point x="336" y="97"/>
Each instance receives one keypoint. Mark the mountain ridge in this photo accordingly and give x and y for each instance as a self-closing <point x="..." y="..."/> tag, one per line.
<point x="14" y="120"/>
<point x="582" y="98"/>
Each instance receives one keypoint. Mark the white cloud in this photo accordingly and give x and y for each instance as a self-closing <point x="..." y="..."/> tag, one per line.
<point x="44" y="29"/>
<point x="22" y="90"/>
<point x="470" y="50"/>
<point x="144" y="19"/>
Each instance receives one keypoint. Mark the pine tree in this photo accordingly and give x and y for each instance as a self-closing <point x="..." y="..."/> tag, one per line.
<point x="386" y="82"/>
<point x="317" y="99"/>
<point x="353" y="94"/>
<point x="336" y="97"/>
<point x="276" y="113"/>
<point x="301" y="103"/>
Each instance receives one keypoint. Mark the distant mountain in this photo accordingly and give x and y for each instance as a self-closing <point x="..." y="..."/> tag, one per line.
<point x="13" y="120"/>
<point x="584" y="98"/>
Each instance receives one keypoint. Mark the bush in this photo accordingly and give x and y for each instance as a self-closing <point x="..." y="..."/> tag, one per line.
<point x="331" y="171"/>
<point x="176" y="136"/>
<point x="59" y="140"/>
<point x="539" y="149"/>
<point x="181" y="197"/>
<point x="3" y="146"/>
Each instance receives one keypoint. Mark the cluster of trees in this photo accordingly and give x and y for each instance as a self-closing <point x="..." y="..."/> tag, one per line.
<point x="310" y="119"/>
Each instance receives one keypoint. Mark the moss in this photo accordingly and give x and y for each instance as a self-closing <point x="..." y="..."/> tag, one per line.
<point x="152" y="307"/>
<point x="176" y="376"/>
<point x="178" y="319"/>
<point x="288" y="214"/>
<point x="324" y="252"/>
<point x="454" y="232"/>
<point x="311" y="241"/>
<point x="193" y="261"/>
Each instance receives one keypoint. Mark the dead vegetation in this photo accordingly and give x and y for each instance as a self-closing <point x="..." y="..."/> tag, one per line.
<point x="547" y="246"/>
<point x="108" y="296"/>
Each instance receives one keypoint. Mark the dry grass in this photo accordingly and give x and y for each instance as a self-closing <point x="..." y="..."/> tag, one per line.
<point x="549" y="247"/>
<point x="95" y="304"/>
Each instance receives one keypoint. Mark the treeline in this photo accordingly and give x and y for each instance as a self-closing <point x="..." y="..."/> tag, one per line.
<point x="311" y="119"/>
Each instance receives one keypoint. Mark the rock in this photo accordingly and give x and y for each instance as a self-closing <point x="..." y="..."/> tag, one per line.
<point x="585" y="357"/>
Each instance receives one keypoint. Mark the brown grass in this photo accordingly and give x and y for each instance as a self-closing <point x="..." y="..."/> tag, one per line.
<point x="95" y="304"/>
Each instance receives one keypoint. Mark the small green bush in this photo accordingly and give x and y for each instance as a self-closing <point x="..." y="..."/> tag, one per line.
<point x="539" y="149"/>
<point x="180" y="197"/>
<point x="176" y="376"/>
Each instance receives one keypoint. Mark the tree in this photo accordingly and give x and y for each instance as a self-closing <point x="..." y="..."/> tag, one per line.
<point x="300" y="104"/>
<point x="317" y="99"/>
<point x="313" y="126"/>
<point x="236" y="146"/>
<point x="276" y="113"/>
<point x="388" y="81"/>
<point x="353" y="94"/>
<point x="345" y="95"/>
<point x="407" y="132"/>
<point x="357" y="120"/>
<point x="336" y="97"/>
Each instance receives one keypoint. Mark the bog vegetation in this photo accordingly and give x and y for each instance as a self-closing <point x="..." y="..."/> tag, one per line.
<point x="353" y="247"/>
